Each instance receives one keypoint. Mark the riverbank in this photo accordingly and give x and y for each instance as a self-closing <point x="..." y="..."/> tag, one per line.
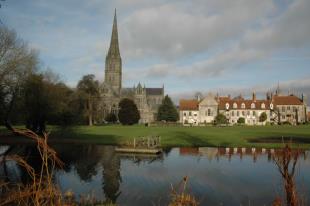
<point x="173" y="136"/>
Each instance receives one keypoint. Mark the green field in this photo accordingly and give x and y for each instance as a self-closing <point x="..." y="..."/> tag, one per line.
<point x="267" y="136"/>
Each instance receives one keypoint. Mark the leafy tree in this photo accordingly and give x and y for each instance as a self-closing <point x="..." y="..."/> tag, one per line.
<point x="128" y="113"/>
<point x="167" y="111"/>
<point x="112" y="118"/>
<point x="241" y="120"/>
<point x="36" y="103"/>
<point x="17" y="62"/>
<point x="263" y="117"/>
<point x="89" y="90"/>
<point x="220" y="119"/>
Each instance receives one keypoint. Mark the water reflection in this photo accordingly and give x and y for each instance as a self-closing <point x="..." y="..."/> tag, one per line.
<point x="227" y="176"/>
<point x="111" y="177"/>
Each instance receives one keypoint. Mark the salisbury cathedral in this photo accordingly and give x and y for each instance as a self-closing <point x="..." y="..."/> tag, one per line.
<point x="146" y="99"/>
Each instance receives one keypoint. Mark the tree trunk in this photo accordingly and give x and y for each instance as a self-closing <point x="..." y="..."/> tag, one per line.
<point x="90" y="112"/>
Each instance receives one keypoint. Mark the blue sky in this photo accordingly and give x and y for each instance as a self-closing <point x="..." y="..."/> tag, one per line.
<point x="220" y="46"/>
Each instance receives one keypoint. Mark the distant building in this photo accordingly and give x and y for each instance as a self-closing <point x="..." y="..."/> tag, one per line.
<point x="189" y="111"/>
<point x="146" y="99"/>
<point x="249" y="109"/>
<point x="278" y="109"/>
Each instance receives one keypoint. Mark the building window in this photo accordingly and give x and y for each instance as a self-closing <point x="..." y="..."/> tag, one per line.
<point x="288" y="108"/>
<point x="195" y="115"/>
<point x="283" y="116"/>
<point x="232" y="113"/>
<point x="283" y="109"/>
<point x="184" y="114"/>
<point x="235" y="105"/>
<point x="190" y="113"/>
<point x="209" y="112"/>
<point x="238" y="114"/>
<point x="248" y="113"/>
<point x="243" y="106"/>
<point x="254" y="113"/>
<point x="252" y="106"/>
<point x="243" y="113"/>
<point x="263" y="106"/>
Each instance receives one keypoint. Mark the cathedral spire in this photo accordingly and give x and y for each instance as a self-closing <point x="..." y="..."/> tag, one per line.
<point x="114" y="47"/>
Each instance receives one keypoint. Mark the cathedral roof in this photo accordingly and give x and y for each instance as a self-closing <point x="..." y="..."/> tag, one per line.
<point x="126" y="92"/>
<point x="154" y="91"/>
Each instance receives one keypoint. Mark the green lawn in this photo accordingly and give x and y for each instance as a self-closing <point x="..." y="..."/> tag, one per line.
<point x="187" y="136"/>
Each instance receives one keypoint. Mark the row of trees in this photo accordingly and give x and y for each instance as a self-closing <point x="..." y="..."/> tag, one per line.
<point x="34" y="96"/>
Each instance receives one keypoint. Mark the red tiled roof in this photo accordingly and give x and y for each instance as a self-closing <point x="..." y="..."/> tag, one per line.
<point x="247" y="103"/>
<point x="287" y="100"/>
<point x="191" y="104"/>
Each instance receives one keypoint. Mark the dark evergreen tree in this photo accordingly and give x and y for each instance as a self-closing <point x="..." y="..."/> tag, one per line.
<point x="128" y="113"/>
<point x="167" y="111"/>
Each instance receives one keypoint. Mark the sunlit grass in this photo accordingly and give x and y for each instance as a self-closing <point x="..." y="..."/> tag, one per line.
<point x="187" y="136"/>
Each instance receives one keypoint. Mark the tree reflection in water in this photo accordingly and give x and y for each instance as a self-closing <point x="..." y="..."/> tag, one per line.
<point x="286" y="161"/>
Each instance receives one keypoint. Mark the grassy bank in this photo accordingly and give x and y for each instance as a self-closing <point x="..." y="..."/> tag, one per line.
<point x="266" y="136"/>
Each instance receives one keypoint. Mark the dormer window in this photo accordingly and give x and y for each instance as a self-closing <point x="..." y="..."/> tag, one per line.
<point x="263" y="106"/>
<point x="271" y="106"/>
<point x="243" y="106"/>
<point x="235" y="105"/>
<point x="227" y="106"/>
<point x="252" y="106"/>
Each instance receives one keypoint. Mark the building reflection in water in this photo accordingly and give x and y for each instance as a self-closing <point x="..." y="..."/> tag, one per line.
<point x="111" y="177"/>
<point x="215" y="153"/>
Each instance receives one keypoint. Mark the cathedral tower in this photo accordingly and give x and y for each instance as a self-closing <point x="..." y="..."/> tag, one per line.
<point x="113" y="61"/>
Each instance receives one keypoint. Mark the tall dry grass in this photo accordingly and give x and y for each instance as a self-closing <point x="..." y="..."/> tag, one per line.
<point x="180" y="197"/>
<point x="42" y="190"/>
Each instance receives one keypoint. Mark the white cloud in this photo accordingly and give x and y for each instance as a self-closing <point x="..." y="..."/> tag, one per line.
<point x="295" y="86"/>
<point x="174" y="29"/>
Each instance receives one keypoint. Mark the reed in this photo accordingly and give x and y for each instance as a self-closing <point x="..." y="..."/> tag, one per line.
<point x="180" y="197"/>
<point x="42" y="190"/>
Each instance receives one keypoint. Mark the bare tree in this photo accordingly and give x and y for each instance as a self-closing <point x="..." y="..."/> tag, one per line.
<point x="17" y="61"/>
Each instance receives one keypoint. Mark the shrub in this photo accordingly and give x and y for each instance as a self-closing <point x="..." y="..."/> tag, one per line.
<point x="220" y="119"/>
<point x="111" y="118"/>
<point x="263" y="117"/>
<point x="241" y="120"/>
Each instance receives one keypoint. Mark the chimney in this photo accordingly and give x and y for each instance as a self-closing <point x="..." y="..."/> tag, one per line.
<point x="254" y="97"/>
